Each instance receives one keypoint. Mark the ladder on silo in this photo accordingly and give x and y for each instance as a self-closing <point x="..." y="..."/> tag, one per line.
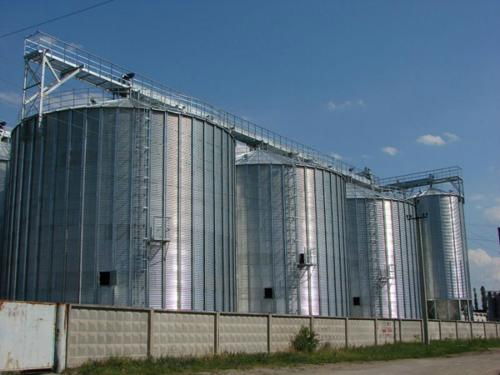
<point x="377" y="280"/>
<point x="140" y="202"/>
<point x="290" y="220"/>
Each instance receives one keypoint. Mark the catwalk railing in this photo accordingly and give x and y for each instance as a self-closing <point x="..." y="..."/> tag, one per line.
<point x="82" y="333"/>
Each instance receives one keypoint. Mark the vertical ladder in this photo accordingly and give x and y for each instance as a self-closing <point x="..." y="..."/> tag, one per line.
<point x="290" y="216"/>
<point x="141" y="193"/>
<point x="377" y="279"/>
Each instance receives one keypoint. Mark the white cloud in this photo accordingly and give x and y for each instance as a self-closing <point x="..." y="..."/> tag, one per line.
<point x="485" y="269"/>
<point x="438" y="140"/>
<point x="389" y="150"/>
<point x="347" y="104"/>
<point x="493" y="214"/>
<point x="10" y="98"/>
<point x="450" y="137"/>
<point x="431" y="140"/>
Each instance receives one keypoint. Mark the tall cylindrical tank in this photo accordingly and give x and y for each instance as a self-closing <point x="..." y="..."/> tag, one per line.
<point x="4" y="164"/>
<point x="444" y="247"/>
<point x="122" y="205"/>
<point x="290" y="237"/>
<point x="383" y="258"/>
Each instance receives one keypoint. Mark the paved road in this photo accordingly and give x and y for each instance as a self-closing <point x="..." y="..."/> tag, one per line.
<point x="485" y="363"/>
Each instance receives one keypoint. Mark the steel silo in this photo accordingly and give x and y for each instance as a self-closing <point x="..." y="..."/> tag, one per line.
<point x="290" y="236"/>
<point x="444" y="246"/>
<point x="383" y="258"/>
<point x="123" y="205"/>
<point x="4" y="164"/>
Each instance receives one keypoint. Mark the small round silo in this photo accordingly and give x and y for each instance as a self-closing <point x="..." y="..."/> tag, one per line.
<point x="290" y="237"/>
<point x="383" y="257"/>
<point x="118" y="204"/>
<point x="444" y="247"/>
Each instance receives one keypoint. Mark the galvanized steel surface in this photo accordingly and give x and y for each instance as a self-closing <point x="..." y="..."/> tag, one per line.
<point x="268" y="187"/>
<point x="383" y="262"/>
<point x="444" y="245"/>
<point x="85" y="189"/>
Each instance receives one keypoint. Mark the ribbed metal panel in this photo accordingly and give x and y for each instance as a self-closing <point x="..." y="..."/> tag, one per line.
<point x="84" y="192"/>
<point x="382" y="257"/>
<point x="444" y="245"/>
<point x="4" y="168"/>
<point x="264" y="261"/>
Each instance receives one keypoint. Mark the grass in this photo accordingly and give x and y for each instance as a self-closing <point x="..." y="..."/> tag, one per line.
<point x="170" y="365"/>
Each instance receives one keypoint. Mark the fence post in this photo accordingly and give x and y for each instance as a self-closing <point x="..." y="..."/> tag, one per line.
<point x="471" y="331"/>
<point x="440" y="331"/>
<point x="484" y="329"/>
<point x="61" y="326"/>
<point x="150" y="333"/>
<point x="216" y="333"/>
<point x="269" y="330"/>
<point x="496" y="327"/>
<point x="375" y="329"/>
<point x="394" y="330"/>
<point x="346" y="332"/>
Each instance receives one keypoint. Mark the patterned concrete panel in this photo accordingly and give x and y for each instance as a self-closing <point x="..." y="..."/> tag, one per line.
<point x="477" y="330"/>
<point x="361" y="332"/>
<point x="434" y="331"/>
<point x="242" y="334"/>
<point x="283" y="330"/>
<point x="330" y="331"/>
<point x="385" y="331"/>
<point x="181" y="334"/>
<point x="491" y="330"/>
<point x="97" y="334"/>
<point x="448" y="331"/>
<point x="463" y="329"/>
<point x="411" y="331"/>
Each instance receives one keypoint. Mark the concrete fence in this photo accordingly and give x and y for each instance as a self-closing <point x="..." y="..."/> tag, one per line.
<point x="75" y="334"/>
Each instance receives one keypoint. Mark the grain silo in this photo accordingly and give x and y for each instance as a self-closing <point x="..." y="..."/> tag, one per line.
<point x="119" y="204"/>
<point x="383" y="258"/>
<point x="444" y="246"/>
<point x="4" y="163"/>
<point x="290" y="236"/>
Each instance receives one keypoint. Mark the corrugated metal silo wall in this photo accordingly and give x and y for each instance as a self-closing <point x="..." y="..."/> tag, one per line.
<point x="383" y="259"/>
<point x="445" y="247"/>
<point x="80" y="191"/>
<point x="263" y="258"/>
<point x="4" y="164"/>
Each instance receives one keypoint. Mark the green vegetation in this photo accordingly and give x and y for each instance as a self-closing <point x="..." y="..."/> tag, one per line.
<point x="305" y="341"/>
<point x="246" y="361"/>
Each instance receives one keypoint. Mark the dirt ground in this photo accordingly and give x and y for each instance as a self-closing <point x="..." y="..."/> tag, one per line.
<point x="485" y="363"/>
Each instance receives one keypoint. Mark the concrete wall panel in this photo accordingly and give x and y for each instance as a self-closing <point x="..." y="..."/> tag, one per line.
<point x="100" y="333"/>
<point x="284" y="329"/>
<point x="242" y="334"/>
<point x="411" y="331"/>
<point x="330" y="331"/>
<point x="463" y="330"/>
<point x="361" y="332"/>
<point x="477" y="330"/>
<point x="385" y="331"/>
<point x="448" y="331"/>
<point x="181" y="334"/>
<point x="434" y="331"/>
<point x="491" y="330"/>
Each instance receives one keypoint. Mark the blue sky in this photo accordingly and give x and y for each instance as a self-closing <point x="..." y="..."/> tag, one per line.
<point x="398" y="86"/>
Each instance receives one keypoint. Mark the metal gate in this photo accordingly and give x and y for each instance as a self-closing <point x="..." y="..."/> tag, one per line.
<point x="27" y="336"/>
